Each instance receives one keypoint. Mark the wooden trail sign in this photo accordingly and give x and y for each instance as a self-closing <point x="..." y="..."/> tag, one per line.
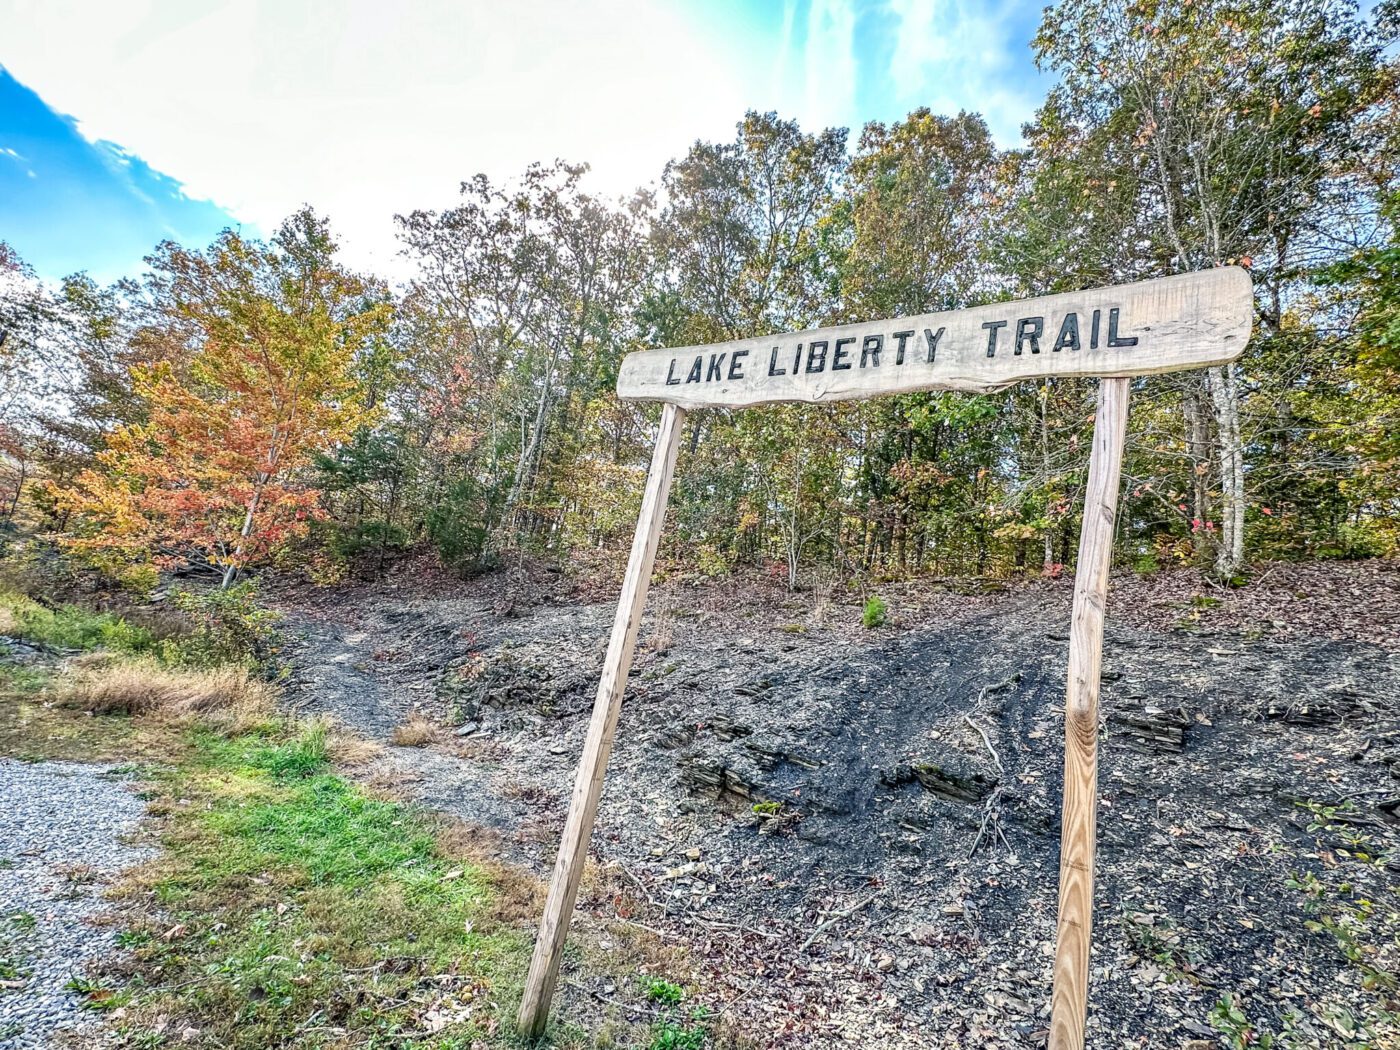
<point x="1188" y="321"/>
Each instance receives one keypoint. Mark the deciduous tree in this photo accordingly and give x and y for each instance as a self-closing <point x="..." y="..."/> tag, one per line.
<point x="270" y="378"/>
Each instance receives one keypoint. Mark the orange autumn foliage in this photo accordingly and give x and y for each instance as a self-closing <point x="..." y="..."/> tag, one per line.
<point x="213" y="470"/>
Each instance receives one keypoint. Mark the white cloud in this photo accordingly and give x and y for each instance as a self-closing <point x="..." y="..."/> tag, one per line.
<point x="957" y="54"/>
<point x="364" y="108"/>
<point x="829" y="65"/>
<point x="897" y="55"/>
<point x="367" y="108"/>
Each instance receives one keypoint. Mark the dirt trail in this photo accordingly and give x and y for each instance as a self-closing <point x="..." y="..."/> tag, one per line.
<point x="773" y="772"/>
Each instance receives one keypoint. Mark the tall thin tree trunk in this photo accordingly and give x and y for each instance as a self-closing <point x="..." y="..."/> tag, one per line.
<point x="231" y="570"/>
<point x="524" y="466"/>
<point x="1198" y="448"/>
<point x="1224" y="390"/>
<point x="19" y="489"/>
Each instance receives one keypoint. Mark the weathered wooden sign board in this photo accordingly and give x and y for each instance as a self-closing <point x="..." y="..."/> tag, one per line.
<point x="1189" y="321"/>
<point x="1134" y="329"/>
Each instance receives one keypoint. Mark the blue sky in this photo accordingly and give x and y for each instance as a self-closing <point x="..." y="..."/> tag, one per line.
<point x="161" y="119"/>
<point x="69" y="204"/>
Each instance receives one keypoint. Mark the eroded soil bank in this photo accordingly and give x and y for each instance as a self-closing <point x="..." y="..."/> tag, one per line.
<point x="855" y="833"/>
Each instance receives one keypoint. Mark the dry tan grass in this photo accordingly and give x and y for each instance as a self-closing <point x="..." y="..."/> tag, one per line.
<point x="347" y="748"/>
<point x="9" y="622"/>
<point x="518" y="896"/>
<point x="390" y="784"/>
<point x="663" y="627"/>
<point x="417" y="731"/>
<point x="228" y="697"/>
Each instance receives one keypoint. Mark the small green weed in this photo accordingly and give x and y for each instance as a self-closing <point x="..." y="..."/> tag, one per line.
<point x="667" y="993"/>
<point x="1229" y="1019"/>
<point x="875" y="612"/>
<point x="1159" y="938"/>
<point x="130" y="939"/>
<point x="668" y="1035"/>
<point x="673" y="1031"/>
<point x="97" y="995"/>
<point x="11" y="970"/>
<point x="23" y="920"/>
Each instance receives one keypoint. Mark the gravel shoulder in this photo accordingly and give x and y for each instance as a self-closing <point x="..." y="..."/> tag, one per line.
<point x="64" y="836"/>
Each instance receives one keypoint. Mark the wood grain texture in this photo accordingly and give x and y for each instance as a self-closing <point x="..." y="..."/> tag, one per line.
<point x="1187" y="321"/>
<point x="573" y="848"/>
<point x="1077" y="824"/>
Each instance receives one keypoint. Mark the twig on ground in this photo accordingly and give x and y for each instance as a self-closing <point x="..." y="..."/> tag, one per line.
<point x="743" y="994"/>
<point x="705" y="920"/>
<point x="641" y="886"/>
<point x="630" y="1007"/>
<point x="837" y="917"/>
<point x="991" y="816"/>
<point x="986" y="740"/>
<point x="642" y="926"/>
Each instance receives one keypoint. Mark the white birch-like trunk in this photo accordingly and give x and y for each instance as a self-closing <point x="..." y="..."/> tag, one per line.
<point x="1225" y="398"/>
<point x="231" y="570"/>
<point x="1047" y="533"/>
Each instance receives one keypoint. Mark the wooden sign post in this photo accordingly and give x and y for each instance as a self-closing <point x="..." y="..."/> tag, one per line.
<point x="1079" y="808"/>
<point x="1189" y="321"/>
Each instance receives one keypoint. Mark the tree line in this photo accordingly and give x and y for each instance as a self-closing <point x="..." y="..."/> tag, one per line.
<point x="252" y="403"/>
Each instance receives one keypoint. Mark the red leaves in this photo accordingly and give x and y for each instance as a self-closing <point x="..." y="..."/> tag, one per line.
<point x="272" y="379"/>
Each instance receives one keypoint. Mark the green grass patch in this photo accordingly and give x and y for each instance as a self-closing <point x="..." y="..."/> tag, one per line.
<point x="34" y="732"/>
<point x="300" y="903"/>
<point x="69" y="627"/>
<point x="23" y="681"/>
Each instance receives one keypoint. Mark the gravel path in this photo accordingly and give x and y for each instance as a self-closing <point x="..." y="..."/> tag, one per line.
<point x="61" y="831"/>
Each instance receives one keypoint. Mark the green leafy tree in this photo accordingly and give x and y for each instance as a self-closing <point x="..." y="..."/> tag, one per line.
<point x="1231" y="120"/>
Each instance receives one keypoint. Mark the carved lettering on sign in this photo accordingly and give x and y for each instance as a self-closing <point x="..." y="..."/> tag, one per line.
<point x="1188" y="321"/>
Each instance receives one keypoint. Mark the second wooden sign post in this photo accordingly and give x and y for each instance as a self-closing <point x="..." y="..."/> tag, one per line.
<point x="1188" y="321"/>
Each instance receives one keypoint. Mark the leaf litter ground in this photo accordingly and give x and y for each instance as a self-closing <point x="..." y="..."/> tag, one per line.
<point x="854" y="834"/>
